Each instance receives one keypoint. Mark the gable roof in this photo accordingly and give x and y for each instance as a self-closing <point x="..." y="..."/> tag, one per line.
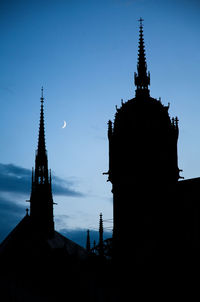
<point x="24" y="238"/>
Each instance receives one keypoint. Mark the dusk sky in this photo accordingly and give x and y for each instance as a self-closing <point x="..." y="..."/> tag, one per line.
<point x="84" y="53"/>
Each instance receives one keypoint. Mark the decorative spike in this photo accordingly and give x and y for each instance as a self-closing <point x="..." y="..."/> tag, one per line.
<point x="101" y="252"/>
<point x="41" y="139"/>
<point x="32" y="175"/>
<point x="88" y="241"/>
<point x="42" y="97"/>
<point x="110" y="130"/>
<point x="142" y="78"/>
<point x="176" y="123"/>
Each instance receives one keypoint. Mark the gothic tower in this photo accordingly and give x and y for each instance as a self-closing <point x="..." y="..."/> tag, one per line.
<point x="143" y="164"/>
<point x="41" y="200"/>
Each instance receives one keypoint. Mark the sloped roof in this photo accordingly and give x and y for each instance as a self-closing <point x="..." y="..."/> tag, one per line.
<point x="72" y="248"/>
<point x="25" y="238"/>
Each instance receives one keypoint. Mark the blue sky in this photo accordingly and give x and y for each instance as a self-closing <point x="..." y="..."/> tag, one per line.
<point x="84" y="53"/>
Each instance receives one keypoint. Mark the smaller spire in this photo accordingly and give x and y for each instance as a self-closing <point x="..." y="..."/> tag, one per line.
<point x="110" y="129"/>
<point x="101" y="251"/>
<point x="142" y="78"/>
<point x="88" y="241"/>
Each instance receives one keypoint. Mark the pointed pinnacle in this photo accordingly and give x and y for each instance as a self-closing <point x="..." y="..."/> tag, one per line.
<point x="141" y="20"/>
<point x="142" y="78"/>
<point x="42" y="97"/>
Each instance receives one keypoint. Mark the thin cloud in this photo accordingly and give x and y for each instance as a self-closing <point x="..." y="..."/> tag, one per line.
<point x="14" y="179"/>
<point x="10" y="215"/>
<point x="18" y="180"/>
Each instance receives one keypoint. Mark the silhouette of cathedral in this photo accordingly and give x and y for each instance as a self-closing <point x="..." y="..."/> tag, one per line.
<point x="156" y="216"/>
<point x="34" y="254"/>
<point x="40" y="222"/>
<point x="153" y="211"/>
<point x="143" y="162"/>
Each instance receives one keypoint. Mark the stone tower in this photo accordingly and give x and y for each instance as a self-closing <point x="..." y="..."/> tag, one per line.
<point x="143" y="165"/>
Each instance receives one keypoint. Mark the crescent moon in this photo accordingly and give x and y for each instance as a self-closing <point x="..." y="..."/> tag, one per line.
<point x="64" y="125"/>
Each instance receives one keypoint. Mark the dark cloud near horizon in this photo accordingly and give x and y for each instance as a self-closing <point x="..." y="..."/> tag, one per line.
<point x="18" y="180"/>
<point x="15" y="179"/>
<point x="10" y="215"/>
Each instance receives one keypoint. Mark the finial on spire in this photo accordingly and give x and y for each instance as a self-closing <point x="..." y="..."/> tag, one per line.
<point x="42" y="97"/>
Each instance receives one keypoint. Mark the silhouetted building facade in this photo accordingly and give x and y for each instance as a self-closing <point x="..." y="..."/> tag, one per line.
<point x="156" y="216"/>
<point x="36" y="261"/>
<point x="143" y="166"/>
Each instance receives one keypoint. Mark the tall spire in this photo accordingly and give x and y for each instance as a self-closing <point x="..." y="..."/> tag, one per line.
<point x="41" y="201"/>
<point x="41" y="162"/>
<point x="101" y="251"/>
<point x="88" y="241"/>
<point x="41" y="138"/>
<point x="142" y="78"/>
